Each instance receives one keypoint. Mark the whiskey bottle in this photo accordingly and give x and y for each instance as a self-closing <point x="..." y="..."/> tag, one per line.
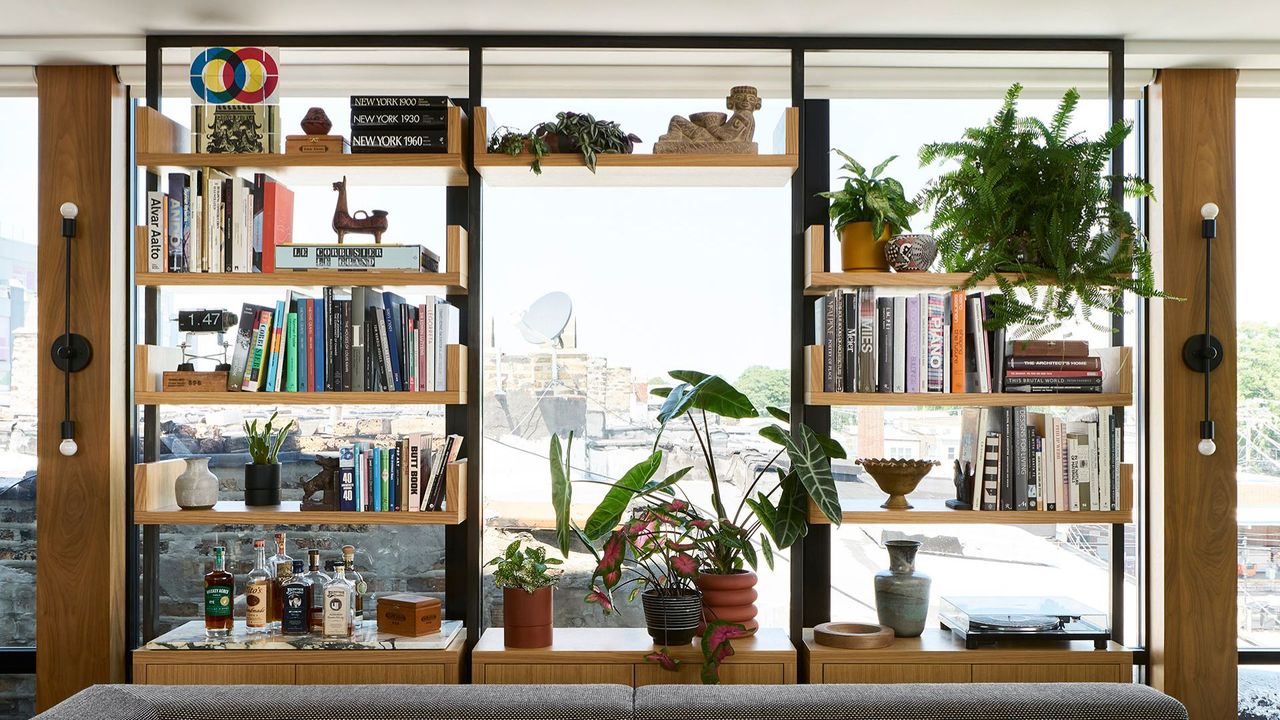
<point x="317" y="578"/>
<point x="219" y="590"/>
<point x="257" y="591"/>
<point x="281" y="567"/>
<point x="295" y="618"/>
<point x="357" y="581"/>
<point x="339" y="606"/>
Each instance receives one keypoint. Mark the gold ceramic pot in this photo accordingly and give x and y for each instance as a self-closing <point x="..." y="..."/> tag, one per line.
<point x="859" y="251"/>
<point x="897" y="478"/>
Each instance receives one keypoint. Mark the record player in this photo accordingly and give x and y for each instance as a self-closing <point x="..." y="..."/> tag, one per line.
<point x="985" y="620"/>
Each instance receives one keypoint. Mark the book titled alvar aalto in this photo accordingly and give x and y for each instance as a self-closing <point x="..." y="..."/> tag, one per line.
<point x="356" y="257"/>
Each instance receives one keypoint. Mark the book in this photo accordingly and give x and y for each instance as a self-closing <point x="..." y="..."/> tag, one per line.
<point x="398" y="101"/>
<point x="447" y="332"/>
<point x="390" y="303"/>
<point x="384" y="480"/>
<point x="830" y="347"/>
<point x="174" y="232"/>
<point x="835" y="306"/>
<point x="235" y="128"/>
<point x="1015" y="373"/>
<point x="913" y="347"/>
<point x="253" y="380"/>
<point x="977" y="356"/>
<point x="991" y="472"/>
<point x="291" y="353"/>
<point x="849" y="346"/>
<point x="1054" y="364"/>
<point x="936" y="336"/>
<point x="866" y="340"/>
<point x="1059" y="349"/>
<point x="450" y="453"/>
<point x="430" y="118"/>
<point x="899" y="344"/>
<point x="274" y="359"/>
<point x="277" y="222"/>
<point x="244" y="343"/>
<point x="413" y="501"/>
<point x="375" y="480"/>
<point x="959" y="349"/>
<point x="346" y="478"/>
<point x="1019" y="436"/>
<point x="321" y="337"/>
<point x="157" y="232"/>
<point x="997" y="350"/>
<point x="1013" y="381"/>
<point x="884" y="345"/>
<point x="412" y="258"/>
<point x="1078" y="388"/>
<point x="400" y="141"/>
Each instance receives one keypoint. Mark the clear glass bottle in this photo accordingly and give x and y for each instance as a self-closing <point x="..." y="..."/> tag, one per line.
<point x="257" y="591"/>
<point x="339" y="605"/>
<point x="281" y="566"/>
<point x="357" y="581"/>
<point x="219" y="594"/>
<point x="295" y="617"/>
<point x="318" y="579"/>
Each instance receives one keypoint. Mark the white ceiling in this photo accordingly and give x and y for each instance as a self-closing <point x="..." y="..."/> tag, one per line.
<point x="1207" y="32"/>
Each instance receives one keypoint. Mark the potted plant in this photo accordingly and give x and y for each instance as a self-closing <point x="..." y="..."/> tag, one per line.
<point x="527" y="583"/>
<point x="569" y="132"/>
<point x="262" y="476"/>
<point x="1032" y="198"/>
<point x="865" y="212"/>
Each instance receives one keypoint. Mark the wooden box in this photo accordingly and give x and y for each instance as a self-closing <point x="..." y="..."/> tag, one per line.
<point x="315" y="145"/>
<point x="199" y="381"/>
<point x="408" y="614"/>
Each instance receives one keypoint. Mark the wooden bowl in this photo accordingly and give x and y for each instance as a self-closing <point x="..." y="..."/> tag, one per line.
<point x="853" y="636"/>
<point x="897" y="478"/>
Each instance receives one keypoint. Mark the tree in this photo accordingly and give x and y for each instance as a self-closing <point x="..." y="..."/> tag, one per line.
<point x="1258" y="370"/>
<point x="766" y="386"/>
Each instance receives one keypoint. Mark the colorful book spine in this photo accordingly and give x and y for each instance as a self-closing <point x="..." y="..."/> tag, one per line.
<point x="375" y="480"/>
<point x="346" y="478"/>
<point x="384" y="479"/>
<point x="319" y="336"/>
<point x="291" y="354"/>
<point x="913" y="347"/>
<point x="935" y="334"/>
<point x="274" y="358"/>
<point x="303" y="349"/>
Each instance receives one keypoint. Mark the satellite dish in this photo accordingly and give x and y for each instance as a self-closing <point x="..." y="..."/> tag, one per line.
<point x="546" y="318"/>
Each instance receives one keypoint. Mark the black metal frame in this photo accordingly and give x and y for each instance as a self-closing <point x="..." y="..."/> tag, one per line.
<point x="811" y="557"/>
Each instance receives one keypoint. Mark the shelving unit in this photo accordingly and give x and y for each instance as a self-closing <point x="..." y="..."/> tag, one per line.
<point x="639" y="169"/>
<point x="154" y="504"/>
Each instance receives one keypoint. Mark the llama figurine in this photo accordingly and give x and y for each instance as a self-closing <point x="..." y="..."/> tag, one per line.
<point x="373" y="223"/>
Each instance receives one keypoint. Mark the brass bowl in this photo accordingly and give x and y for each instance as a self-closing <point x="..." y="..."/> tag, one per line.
<point x="897" y="478"/>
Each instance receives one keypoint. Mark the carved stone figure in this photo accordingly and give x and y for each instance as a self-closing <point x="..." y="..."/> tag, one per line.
<point x="716" y="132"/>
<point x="324" y="482"/>
<point x="963" y="479"/>
<point x="373" y="223"/>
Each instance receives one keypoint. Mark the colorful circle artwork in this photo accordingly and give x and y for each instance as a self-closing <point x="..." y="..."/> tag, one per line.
<point x="247" y="75"/>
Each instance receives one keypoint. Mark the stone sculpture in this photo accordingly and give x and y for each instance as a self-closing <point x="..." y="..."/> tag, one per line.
<point x="715" y="132"/>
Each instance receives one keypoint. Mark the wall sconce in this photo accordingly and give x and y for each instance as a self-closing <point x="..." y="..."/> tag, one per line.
<point x="1203" y="352"/>
<point x="71" y="352"/>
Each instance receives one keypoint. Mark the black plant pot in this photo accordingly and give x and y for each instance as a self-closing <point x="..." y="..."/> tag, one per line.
<point x="672" y="619"/>
<point x="261" y="484"/>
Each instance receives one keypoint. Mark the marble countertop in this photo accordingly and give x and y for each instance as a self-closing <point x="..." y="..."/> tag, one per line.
<point x="191" y="636"/>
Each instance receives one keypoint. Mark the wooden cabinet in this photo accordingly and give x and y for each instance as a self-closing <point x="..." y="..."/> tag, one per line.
<point x="300" y="667"/>
<point x="937" y="657"/>
<point x="616" y="655"/>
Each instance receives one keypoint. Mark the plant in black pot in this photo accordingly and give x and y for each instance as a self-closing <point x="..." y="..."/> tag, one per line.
<point x="262" y="476"/>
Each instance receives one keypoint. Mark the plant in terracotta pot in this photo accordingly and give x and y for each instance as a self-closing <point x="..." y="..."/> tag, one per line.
<point x="262" y="476"/>
<point x="527" y="582"/>
<point x="865" y="212"/>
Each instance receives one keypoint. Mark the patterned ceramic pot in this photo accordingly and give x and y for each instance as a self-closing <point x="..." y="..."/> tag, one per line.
<point x="672" y="619"/>
<point x="729" y="597"/>
<point x="913" y="252"/>
<point x="197" y="487"/>
<point x="902" y="594"/>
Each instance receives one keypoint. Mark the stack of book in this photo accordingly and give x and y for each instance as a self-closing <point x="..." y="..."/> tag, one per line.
<point x="405" y="476"/>
<point x="399" y="123"/>
<point x="349" y="339"/>
<point x="1051" y="366"/>
<point x="1026" y="460"/>
<point x="209" y="221"/>
<point x="938" y="343"/>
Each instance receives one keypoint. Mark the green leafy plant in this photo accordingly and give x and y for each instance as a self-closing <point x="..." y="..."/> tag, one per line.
<point x="528" y="569"/>
<point x="569" y="132"/>
<point x="512" y="142"/>
<point x="1034" y="199"/>
<point x="870" y="198"/>
<point x="263" y="448"/>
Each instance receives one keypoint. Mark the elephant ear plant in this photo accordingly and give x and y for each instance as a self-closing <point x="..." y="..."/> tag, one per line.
<point x="1033" y="199"/>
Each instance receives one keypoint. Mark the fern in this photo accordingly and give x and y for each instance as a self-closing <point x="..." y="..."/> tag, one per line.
<point x="1034" y="200"/>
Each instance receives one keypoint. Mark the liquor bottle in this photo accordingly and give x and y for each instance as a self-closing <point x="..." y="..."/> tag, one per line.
<point x="219" y="590"/>
<point x="317" y="578"/>
<point x="281" y="566"/>
<point x="295" y="617"/>
<point x="357" y="581"/>
<point x="339" y="607"/>
<point x="257" y="591"/>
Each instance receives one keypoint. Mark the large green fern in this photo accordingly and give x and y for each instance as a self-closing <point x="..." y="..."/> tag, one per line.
<point x="1034" y="200"/>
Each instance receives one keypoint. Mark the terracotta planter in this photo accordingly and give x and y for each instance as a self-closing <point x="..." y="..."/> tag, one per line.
<point x="859" y="251"/>
<point x="526" y="617"/>
<point x="728" y="597"/>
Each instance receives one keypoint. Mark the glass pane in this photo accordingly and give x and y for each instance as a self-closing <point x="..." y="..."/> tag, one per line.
<point x="1259" y="692"/>
<point x="18" y="358"/>
<point x="1258" y="379"/>
<point x="17" y="697"/>
<point x="660" y="278"/>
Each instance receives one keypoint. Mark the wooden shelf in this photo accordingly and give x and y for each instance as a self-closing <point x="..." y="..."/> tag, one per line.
<point x="151" y="361"/>
<point x="162" y="143"/>
<point x="1117" y="365"/>
<point x="454" y="282"/>
<point x="155" y="504"/>
<point x="639" y="170"/>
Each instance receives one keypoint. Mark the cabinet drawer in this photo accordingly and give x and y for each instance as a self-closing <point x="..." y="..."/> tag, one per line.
<point x="891" y="673"/>
<point x="567" y="674"/>
<point x="339" y="674"/>
<point x="690" y="674"/>
<point x="1051" y="673"/>
<point x="211" y="674"/>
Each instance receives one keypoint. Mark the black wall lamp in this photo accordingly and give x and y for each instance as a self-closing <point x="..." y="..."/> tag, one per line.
<point x="1203" y="352"/>
<point x="71" y="352"/>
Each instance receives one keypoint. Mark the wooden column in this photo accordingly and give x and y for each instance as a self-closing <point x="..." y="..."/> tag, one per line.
<point x="80" y="533"/>
<point x="1192" y="612"/>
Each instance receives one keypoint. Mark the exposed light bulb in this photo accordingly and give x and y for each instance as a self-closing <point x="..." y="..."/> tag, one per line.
<point x="1207" y="447"/>
<point x="69" y="210"/>
<point x="68" y="447"/>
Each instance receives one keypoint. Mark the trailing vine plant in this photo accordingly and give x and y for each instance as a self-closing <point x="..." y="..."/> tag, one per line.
<point x="1033" y="200"/>
<point x="569" y="132"/>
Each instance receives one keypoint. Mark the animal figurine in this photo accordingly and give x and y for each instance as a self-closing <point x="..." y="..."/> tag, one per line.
<point x="373" y="223"/>
<point x="963" y="479"/>
<point x="324" y="482"/>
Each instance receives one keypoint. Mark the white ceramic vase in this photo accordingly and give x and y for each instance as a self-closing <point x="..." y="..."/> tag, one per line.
<point x="197" y="486"/>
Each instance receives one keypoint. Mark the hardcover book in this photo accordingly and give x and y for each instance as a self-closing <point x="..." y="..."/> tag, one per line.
<point x="866" y="340"/>
<point x="399" y="119"/>
<point x="157" y="232"/>
<point x="380" y="102"/>
<point x="413" y="258"/>
<point x="401" y="142"/>
<point x="346" y="478"/>
<point x="991" y="472"/>
<point x="914" y="348"/>
<point x="884" y="345"/>
<point x="244" y="341"/>
<point x="235" y="128"/>
<point x="177" y="261"/>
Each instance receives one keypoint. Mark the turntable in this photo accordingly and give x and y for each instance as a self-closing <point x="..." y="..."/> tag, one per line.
<point x="986" y="620"/>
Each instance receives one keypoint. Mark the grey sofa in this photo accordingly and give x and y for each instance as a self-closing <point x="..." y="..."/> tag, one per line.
<point x="1074" y="701"/>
